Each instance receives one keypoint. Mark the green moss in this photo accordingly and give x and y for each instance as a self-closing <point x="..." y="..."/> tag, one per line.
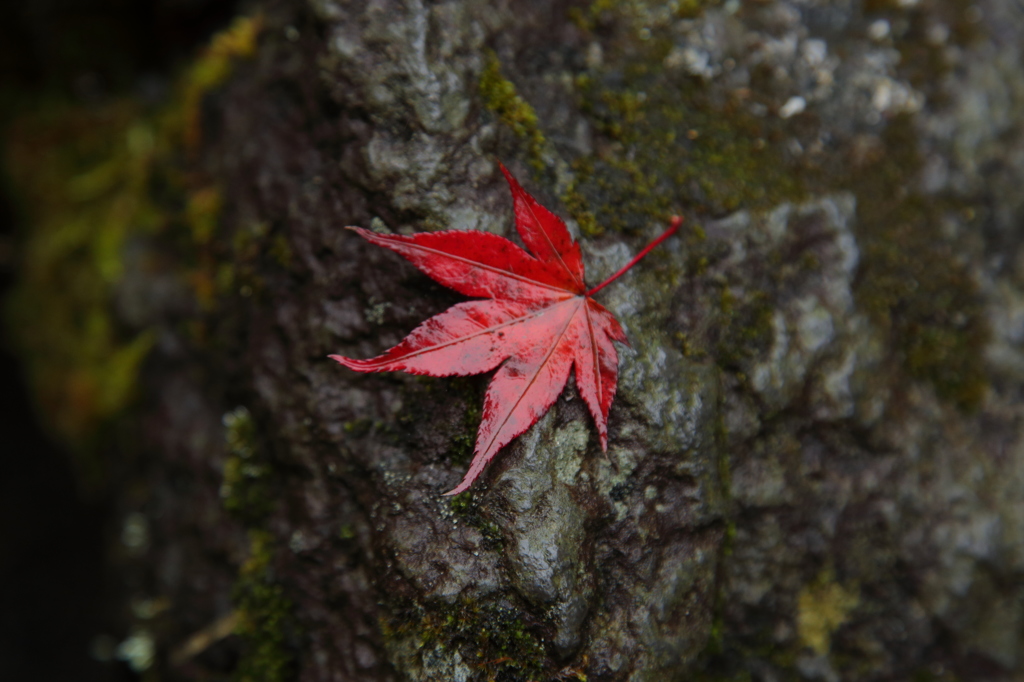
<point x="467" y="507"/>
<point x="203" y="213"/>
<point x="500" y="96"/>
<point x="464" y="441"/>
<point x="668" y="145"/>
<point x="264" y="617"/>
<point x="84" y="195"/>
<point x="92" y="181"/>
<point x="491" y="638"/>
<point x="911" y="282"/>
<point x="463" y="397"/>
<point x="744" y="327"/>
<point x="264" y="612"/>
<point x="689" y="9"/>
<point x="461" y="504"/>
<point x="347" y="531"/>
<point x="245" y="491"/>
<point x="680" y="151"/>
<point x="717" y="637"/>
<point x="281" y="251"/>
<point x="580" y="211"/>
<point x="357" y="428"/>
<point x="210" y="71"/>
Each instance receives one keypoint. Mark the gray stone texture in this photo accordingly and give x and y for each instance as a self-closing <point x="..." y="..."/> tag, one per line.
<point x="781" y="497"/>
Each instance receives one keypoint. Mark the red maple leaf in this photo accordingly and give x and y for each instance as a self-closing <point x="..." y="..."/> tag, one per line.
<point x="536" y="321"/>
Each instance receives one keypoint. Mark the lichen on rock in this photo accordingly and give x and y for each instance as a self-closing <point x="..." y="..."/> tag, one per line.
<point x="814" y="469"/>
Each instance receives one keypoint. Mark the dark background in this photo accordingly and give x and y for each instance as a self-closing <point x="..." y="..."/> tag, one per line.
<point x="58" y="600"/>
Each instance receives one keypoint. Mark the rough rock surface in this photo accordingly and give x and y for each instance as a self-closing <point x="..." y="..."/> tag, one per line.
<point x="816" y="464"/>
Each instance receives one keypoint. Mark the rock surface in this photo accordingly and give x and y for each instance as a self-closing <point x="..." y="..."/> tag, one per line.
<point x="816" y="464"/>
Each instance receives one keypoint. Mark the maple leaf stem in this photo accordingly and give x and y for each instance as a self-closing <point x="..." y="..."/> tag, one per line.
<point x="672" y="228"/>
